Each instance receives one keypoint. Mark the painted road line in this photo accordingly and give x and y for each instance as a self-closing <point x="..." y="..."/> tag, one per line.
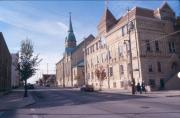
<point x="33" y="110"/>
<point x="35" y="116"/>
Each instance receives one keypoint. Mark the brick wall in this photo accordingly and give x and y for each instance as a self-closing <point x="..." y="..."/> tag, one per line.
<point x="5" y="66"/>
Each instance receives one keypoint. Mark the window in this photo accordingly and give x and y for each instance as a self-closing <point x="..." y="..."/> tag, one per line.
<point x="92" y="48"/>
<point x="171" y="47"/>
<point x="109" y="55"/>
<point x="159" y="66"/>
<point x="92" y="76"/>
<point x="129" y="68"/>
<point x="122" y="84"/>
<point x="152" y="82"/>
<point x="102" y="59"/>
<point x="121" y="69"/>
<point x="148" y="48"/>
<point x="97" y="59"/>
<point x="114" y="84"/>
<point x="174" y="66"/>
<point x="96" y="46"/>
<point x="111" y="71"/>
<point x="123" y="30"/>
<point x="157" y="46"/>
<point x="87" y="51"/>
<point x="150" y="68"/>
<point x="120" y="49"/>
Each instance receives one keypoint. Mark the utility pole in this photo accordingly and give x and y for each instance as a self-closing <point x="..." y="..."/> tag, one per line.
<point x="85" y="67"/>
<point x="63" y="74"/>
<point x="130" y="27"/>
<point x="108" y="62"/>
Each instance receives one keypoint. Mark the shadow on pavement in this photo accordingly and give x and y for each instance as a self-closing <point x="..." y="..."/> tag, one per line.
<point x="70" y="97"/>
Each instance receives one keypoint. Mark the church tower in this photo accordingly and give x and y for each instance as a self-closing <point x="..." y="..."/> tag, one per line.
<point x="70" y="41"/>
<point x="107" y="22"/>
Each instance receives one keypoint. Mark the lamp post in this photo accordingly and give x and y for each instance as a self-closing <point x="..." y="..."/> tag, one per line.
<point x="63" y="74"/>
<point x="85" y="62"/>
<point x="130" y="27"/>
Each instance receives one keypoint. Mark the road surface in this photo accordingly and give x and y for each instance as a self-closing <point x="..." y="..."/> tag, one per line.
<point x="68" y="103"/>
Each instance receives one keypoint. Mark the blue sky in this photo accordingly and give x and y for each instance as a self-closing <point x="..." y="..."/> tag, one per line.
<point x="46" y="23"/>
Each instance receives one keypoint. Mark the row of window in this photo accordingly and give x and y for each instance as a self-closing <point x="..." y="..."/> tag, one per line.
<point x="104" y="56"/>
<point x="94" y="47"/>
<point x="150" y="67"/>
<point x="121" y="69"/>
<point x="171" y="46"/>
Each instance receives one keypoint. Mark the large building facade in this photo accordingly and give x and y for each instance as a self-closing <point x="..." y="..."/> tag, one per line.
<point x="5" y="66"/>
<point x="154" y="44"/>
<point x="70" y="69"/>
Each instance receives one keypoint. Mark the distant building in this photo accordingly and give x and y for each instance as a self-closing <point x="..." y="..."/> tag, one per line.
<point x="155" y="47"/>
<point x="5" y="66"/>
<point x="15" y="78"/>
<point x="70" y="69"/>
<point x="48" y="80"/>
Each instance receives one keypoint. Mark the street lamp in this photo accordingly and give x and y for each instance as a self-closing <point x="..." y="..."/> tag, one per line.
<point x="130" y="28"/>
<point x="85" y="62"/>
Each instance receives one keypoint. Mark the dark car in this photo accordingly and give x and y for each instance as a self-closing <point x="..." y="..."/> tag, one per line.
<point x="87" y="88"/>
<point x="47" y="85"/>
<point x="30" y="86"/>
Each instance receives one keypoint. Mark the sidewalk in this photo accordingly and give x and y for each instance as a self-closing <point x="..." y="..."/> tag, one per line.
<point x="164" y="93"/>
<point x="14" y="100"/>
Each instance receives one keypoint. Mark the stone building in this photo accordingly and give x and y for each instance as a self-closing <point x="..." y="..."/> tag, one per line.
<point x="48" y="80"/>
<point x="155" y="49"/>
<point x="69" y="70"/>
<point x="15" y="78"/>
<point x="5" y="66"/>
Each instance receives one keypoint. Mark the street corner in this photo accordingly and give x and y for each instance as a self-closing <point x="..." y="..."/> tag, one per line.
<point x="27" y="101"/>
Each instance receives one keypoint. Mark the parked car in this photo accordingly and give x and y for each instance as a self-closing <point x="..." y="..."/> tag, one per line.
<point x="87" y="88"/>
<point x="30" y="86"/>
<point x="47" y="85"/>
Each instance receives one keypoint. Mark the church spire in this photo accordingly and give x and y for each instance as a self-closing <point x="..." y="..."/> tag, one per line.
<point x="70" y="23"/>
<point x="70" y="41"/>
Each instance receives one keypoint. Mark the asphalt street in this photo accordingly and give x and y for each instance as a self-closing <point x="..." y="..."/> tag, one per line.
<point x="67" y="103"/>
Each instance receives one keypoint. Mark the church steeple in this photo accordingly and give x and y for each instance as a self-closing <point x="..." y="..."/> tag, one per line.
<point x="70" y="23"/>
<point x="70" y="42"/>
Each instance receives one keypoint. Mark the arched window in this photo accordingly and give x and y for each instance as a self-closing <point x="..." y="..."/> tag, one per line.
<point x="174" y="66"/>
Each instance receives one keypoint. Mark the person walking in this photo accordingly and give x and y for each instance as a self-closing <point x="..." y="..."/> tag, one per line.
<point x="138" y="88"/>
<point x="143" y="87"/>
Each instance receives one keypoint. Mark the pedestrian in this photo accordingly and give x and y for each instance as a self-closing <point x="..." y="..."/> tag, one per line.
<point x="143" y="87"/>
<point x="138" y="88"/>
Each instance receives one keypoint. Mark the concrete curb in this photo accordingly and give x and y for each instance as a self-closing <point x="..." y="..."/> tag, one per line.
<point x="27" y="101"/>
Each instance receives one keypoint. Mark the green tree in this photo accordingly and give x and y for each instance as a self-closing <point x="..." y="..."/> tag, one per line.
<point x="28" y="63"/>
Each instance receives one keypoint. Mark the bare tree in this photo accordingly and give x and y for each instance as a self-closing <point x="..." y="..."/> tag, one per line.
<point x="101" y="75"/>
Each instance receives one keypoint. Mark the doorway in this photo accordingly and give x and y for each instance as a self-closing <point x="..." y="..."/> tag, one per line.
<point x="161" y="84"/>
